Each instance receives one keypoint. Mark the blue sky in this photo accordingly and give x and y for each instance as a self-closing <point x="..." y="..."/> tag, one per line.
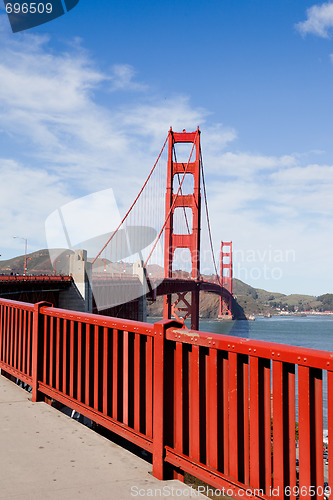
<point x="92" y="94"/>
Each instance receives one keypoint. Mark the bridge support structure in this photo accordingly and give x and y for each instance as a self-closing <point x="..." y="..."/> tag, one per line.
<point x="226" y="280"/>
<point x="139" y="271"/>
<point x="191" y="240"/>
<point x="79" y="296"/>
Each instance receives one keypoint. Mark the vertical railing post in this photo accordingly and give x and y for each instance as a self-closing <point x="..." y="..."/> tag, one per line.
<point x="158" y="399"/>
<point x="159" y="396"/>
<point x="37" y="352"/>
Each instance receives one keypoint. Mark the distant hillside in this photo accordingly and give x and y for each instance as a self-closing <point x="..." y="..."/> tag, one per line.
<point x="326" y="301"/>
<point x="37" y="263"/>
<point x="258" y="301"/>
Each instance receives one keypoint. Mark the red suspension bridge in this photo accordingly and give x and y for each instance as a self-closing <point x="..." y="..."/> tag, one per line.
<point x="174" y="216"/>
<point x="161" y="239"/>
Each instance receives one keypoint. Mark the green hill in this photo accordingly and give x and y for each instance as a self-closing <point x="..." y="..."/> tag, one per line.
<point x="258" y="301"/>
<point x="37" y="263"/>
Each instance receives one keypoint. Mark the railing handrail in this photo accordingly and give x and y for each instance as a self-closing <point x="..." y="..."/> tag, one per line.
<point x="17" y="304"/>
<point x="100" y="320"/>
<point x="259" y="348"/>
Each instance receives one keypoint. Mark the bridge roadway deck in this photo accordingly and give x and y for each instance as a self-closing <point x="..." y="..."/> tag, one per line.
<point x="44" y="454"/>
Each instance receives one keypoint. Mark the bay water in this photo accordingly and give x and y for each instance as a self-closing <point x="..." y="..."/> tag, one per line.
<point x="315" y="332"/>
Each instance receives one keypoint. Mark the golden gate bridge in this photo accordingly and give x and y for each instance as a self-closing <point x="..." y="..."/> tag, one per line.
<point x="163" y="230"/>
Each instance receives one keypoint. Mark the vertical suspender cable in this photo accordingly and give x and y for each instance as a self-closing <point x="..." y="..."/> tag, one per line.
<point x="134" y="202"/>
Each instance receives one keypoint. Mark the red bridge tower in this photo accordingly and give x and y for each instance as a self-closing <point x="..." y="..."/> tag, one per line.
<point x="226" y="278"/>
<point x="190" y="240"/>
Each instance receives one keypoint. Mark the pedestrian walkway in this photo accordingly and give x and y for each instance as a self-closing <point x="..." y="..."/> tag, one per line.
<point x="44" y="455"/>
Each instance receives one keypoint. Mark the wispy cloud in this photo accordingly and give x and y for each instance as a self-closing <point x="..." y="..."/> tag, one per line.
<point x="25" y="194"/>
<point x="319" y="21"/>
<point x="122" y="78"/>
<point x="241" y="164"/>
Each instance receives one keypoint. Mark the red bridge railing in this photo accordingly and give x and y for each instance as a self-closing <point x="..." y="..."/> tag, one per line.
<point x="221" y="408"/>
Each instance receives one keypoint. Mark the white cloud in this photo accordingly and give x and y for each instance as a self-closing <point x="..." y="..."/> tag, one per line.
<point x="25" y="194"/>
<point x="279" y="193"/>
<point x="312" y="175"/>
<point x="122" y="77"/>
<point x="153" y="119"/>
<point x="319" y="21"/>
<point x="247" y="164"/>
<point x="216" y="138"/>
<point x="307" y="189"/>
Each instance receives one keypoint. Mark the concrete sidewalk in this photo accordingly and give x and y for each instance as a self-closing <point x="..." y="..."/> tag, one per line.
<point x="46" y="455"/>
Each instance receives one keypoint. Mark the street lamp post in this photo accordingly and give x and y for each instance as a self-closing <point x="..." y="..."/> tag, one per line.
<point x="104" y="264"/>
<point x="25" y="252"/>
